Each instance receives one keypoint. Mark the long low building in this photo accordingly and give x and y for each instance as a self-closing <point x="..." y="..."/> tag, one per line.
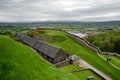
<point x="51" y="53"/>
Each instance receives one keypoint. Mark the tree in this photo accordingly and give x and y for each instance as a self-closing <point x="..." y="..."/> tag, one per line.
<point x="117" y="46"/>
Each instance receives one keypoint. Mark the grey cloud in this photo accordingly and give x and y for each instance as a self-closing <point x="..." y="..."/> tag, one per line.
<point x="102" y="18"/>
<point x="37" y="10"/>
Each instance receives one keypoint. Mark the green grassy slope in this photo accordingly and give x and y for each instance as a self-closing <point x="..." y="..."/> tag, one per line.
<point x="73" y="47"/>
<point x="19" y="62"/>
<point x="83" y="75"/>
<point x="114" y="60"/>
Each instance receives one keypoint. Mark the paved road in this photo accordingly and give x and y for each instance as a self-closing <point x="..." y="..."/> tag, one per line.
<point x="86" y="65"/>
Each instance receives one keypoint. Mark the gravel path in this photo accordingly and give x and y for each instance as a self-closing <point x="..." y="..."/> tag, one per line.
<point x="86" y="65"/>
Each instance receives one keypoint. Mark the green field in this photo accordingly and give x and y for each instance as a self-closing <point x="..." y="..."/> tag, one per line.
<point x="19" y="62"/>
<point x="83" y="75"/>
<point x="114" y="60"/>
<point x="72" y="47"/>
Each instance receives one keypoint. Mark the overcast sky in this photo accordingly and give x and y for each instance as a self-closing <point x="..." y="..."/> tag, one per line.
<point x="41" y="10"/>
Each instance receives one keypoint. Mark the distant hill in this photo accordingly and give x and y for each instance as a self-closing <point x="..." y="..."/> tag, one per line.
<point x="70" y="23"/>
<point x="19" y="62"/>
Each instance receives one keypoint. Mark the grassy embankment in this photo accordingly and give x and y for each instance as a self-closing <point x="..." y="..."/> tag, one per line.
<point x="82" y="75"/>
<point x="71" y="46"/>
<point x="114" y="60"/>
<point x="19" y="62"/>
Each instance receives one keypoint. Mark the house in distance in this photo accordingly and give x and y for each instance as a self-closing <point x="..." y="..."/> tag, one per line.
<point x="51" y="53"/>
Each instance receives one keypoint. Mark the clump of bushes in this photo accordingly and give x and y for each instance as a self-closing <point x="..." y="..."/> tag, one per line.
<point x="35" y="33"/>
<point x="109" y="41"/>
<point x="7" y="32"/>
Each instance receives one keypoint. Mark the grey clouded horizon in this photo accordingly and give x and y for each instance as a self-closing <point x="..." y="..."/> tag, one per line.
<point x="41" y="10"/>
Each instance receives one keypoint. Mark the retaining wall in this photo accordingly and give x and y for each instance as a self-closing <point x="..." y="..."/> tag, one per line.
<point x="63" y="63"/>
<point x="92" y="47"/>
<point x="84" y="42"/>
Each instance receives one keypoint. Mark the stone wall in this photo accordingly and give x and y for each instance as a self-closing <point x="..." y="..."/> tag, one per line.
<point x="84" y="42"/>
<point x="111" y="54"/>
<point x="74" y="59"/>
<point x="73" y="71"/>
<point x="63" y="63"/>
<point x="92" y="47"/>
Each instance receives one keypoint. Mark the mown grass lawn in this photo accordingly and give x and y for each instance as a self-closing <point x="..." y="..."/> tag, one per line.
<point x="19" y="62"/>
<point x="114" y="60"/>
<point x="83" y="75"/>
<point x="73" y="47"/>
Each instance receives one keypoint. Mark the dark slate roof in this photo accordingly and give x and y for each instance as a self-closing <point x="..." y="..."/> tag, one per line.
<point x="26" y="39"/>
<point x="40" y="46"/>
<point x="49" y="50"/>
<point x="31" y="42"/>
<point x="22" y="37"/>
<point x="17" y="35"/>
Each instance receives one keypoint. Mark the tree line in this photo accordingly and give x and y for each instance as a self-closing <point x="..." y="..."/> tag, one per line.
<point x="108" y="41"/>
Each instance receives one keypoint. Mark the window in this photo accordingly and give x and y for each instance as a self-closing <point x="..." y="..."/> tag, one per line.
<point x="61" y="58"/>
